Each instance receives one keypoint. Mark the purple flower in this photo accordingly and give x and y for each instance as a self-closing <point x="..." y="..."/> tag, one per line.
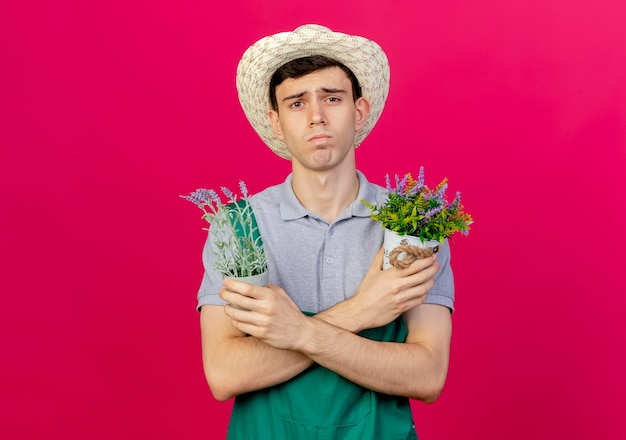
<point x="432" y="195"/>
<point x="442" y="191"/>
<point x="413" y="207"/>
<point x="193" y="200"/>
<point x="457" y="200"/>
<point x="200" y="197"/>
<point x="242" y="187"/>
<point x="402" y="185"/>
<point x="433" y="211"/>
<point x="229" y="194"/>
<point x="419" y="185"/>
<point x="388" y="183"/>
<point x="213" y="195"/>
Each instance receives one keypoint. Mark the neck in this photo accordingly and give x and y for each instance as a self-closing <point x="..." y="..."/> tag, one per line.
<point x="326" y="194"/>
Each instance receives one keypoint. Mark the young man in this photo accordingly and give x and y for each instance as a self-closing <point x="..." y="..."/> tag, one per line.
<point x="334" y="346"/>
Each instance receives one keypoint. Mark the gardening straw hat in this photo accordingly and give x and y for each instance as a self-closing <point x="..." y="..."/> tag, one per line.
<point x="363" y="57"/>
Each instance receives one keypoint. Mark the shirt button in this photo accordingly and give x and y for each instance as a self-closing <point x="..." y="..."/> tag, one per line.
<point x="329" y="260"/>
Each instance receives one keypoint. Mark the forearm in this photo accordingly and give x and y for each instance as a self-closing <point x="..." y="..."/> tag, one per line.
<point x="239" y="364"/>
<point x="280" y="347"/>
<point x="344" y="315"/>
<point x="235" y="363"/>
<point x="406" y="369"/>
<point x="383" y="296"/>
<point x="245" y="364"/>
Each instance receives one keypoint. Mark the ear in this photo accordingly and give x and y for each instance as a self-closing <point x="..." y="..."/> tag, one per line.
<point x="363" y="108"/>
<point x="278" y="131"/>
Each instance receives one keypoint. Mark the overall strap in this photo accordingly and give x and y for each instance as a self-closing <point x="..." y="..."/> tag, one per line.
<point x="241" y="215"/>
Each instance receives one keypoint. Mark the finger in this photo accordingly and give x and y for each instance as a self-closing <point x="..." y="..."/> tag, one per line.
<point x="242" y="316"/>
<point x="275" y="292"/>
<point x="377" y="263"/>
<point x="422" y="277"/>
<point x="422" y="263"/>
<point x="242" y="288"/>
<point x="236" y="299"/>
<point x="417" y="294"/>
<point x="235" y="313"/>
<point x="240" y="319"/>
<point x="379" y="258"/>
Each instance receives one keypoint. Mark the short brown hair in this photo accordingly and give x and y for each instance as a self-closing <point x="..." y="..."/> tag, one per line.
<point x="303" y="66"/>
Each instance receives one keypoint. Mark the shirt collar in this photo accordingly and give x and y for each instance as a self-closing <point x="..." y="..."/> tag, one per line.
<point x="290" y="206"/>
<point x="292" y="209"/>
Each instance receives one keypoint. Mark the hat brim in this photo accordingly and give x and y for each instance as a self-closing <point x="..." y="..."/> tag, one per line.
<point x="363" y="57"/>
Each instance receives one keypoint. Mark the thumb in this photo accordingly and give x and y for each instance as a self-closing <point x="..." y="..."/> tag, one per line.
<point x="377" y="264"/>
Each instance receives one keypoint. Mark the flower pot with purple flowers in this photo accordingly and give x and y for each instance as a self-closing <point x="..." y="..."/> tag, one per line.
<point x="235" y="241"/>
<point x="417" y="219"/>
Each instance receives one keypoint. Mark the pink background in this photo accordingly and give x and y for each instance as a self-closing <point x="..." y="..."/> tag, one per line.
<point x="110" y="110"/>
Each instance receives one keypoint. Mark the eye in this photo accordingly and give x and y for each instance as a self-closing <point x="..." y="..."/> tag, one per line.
<point x="296" y="104"/>
<point x="334" y="99"/>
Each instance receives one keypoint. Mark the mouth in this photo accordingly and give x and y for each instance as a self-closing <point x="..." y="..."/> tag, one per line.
<point x="318" y="138"/>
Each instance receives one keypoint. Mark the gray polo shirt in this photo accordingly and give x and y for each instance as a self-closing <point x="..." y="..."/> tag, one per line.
<point x="319" y="264"/>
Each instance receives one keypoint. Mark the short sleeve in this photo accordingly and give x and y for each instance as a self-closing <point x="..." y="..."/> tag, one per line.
<point x="208" y="294"/>
<point x="442" y="292"/>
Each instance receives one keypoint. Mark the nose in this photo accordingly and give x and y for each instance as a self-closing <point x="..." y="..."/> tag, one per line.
<point x="316" y="115"/>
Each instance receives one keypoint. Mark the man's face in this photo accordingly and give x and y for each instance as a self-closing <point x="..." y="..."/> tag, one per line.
<point x="317" y="118"/>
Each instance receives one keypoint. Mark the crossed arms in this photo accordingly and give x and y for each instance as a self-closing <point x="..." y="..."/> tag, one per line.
<point x="272" y="341"/>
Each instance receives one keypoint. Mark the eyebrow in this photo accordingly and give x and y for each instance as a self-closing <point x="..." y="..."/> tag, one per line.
<point x="324" y="89"/>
